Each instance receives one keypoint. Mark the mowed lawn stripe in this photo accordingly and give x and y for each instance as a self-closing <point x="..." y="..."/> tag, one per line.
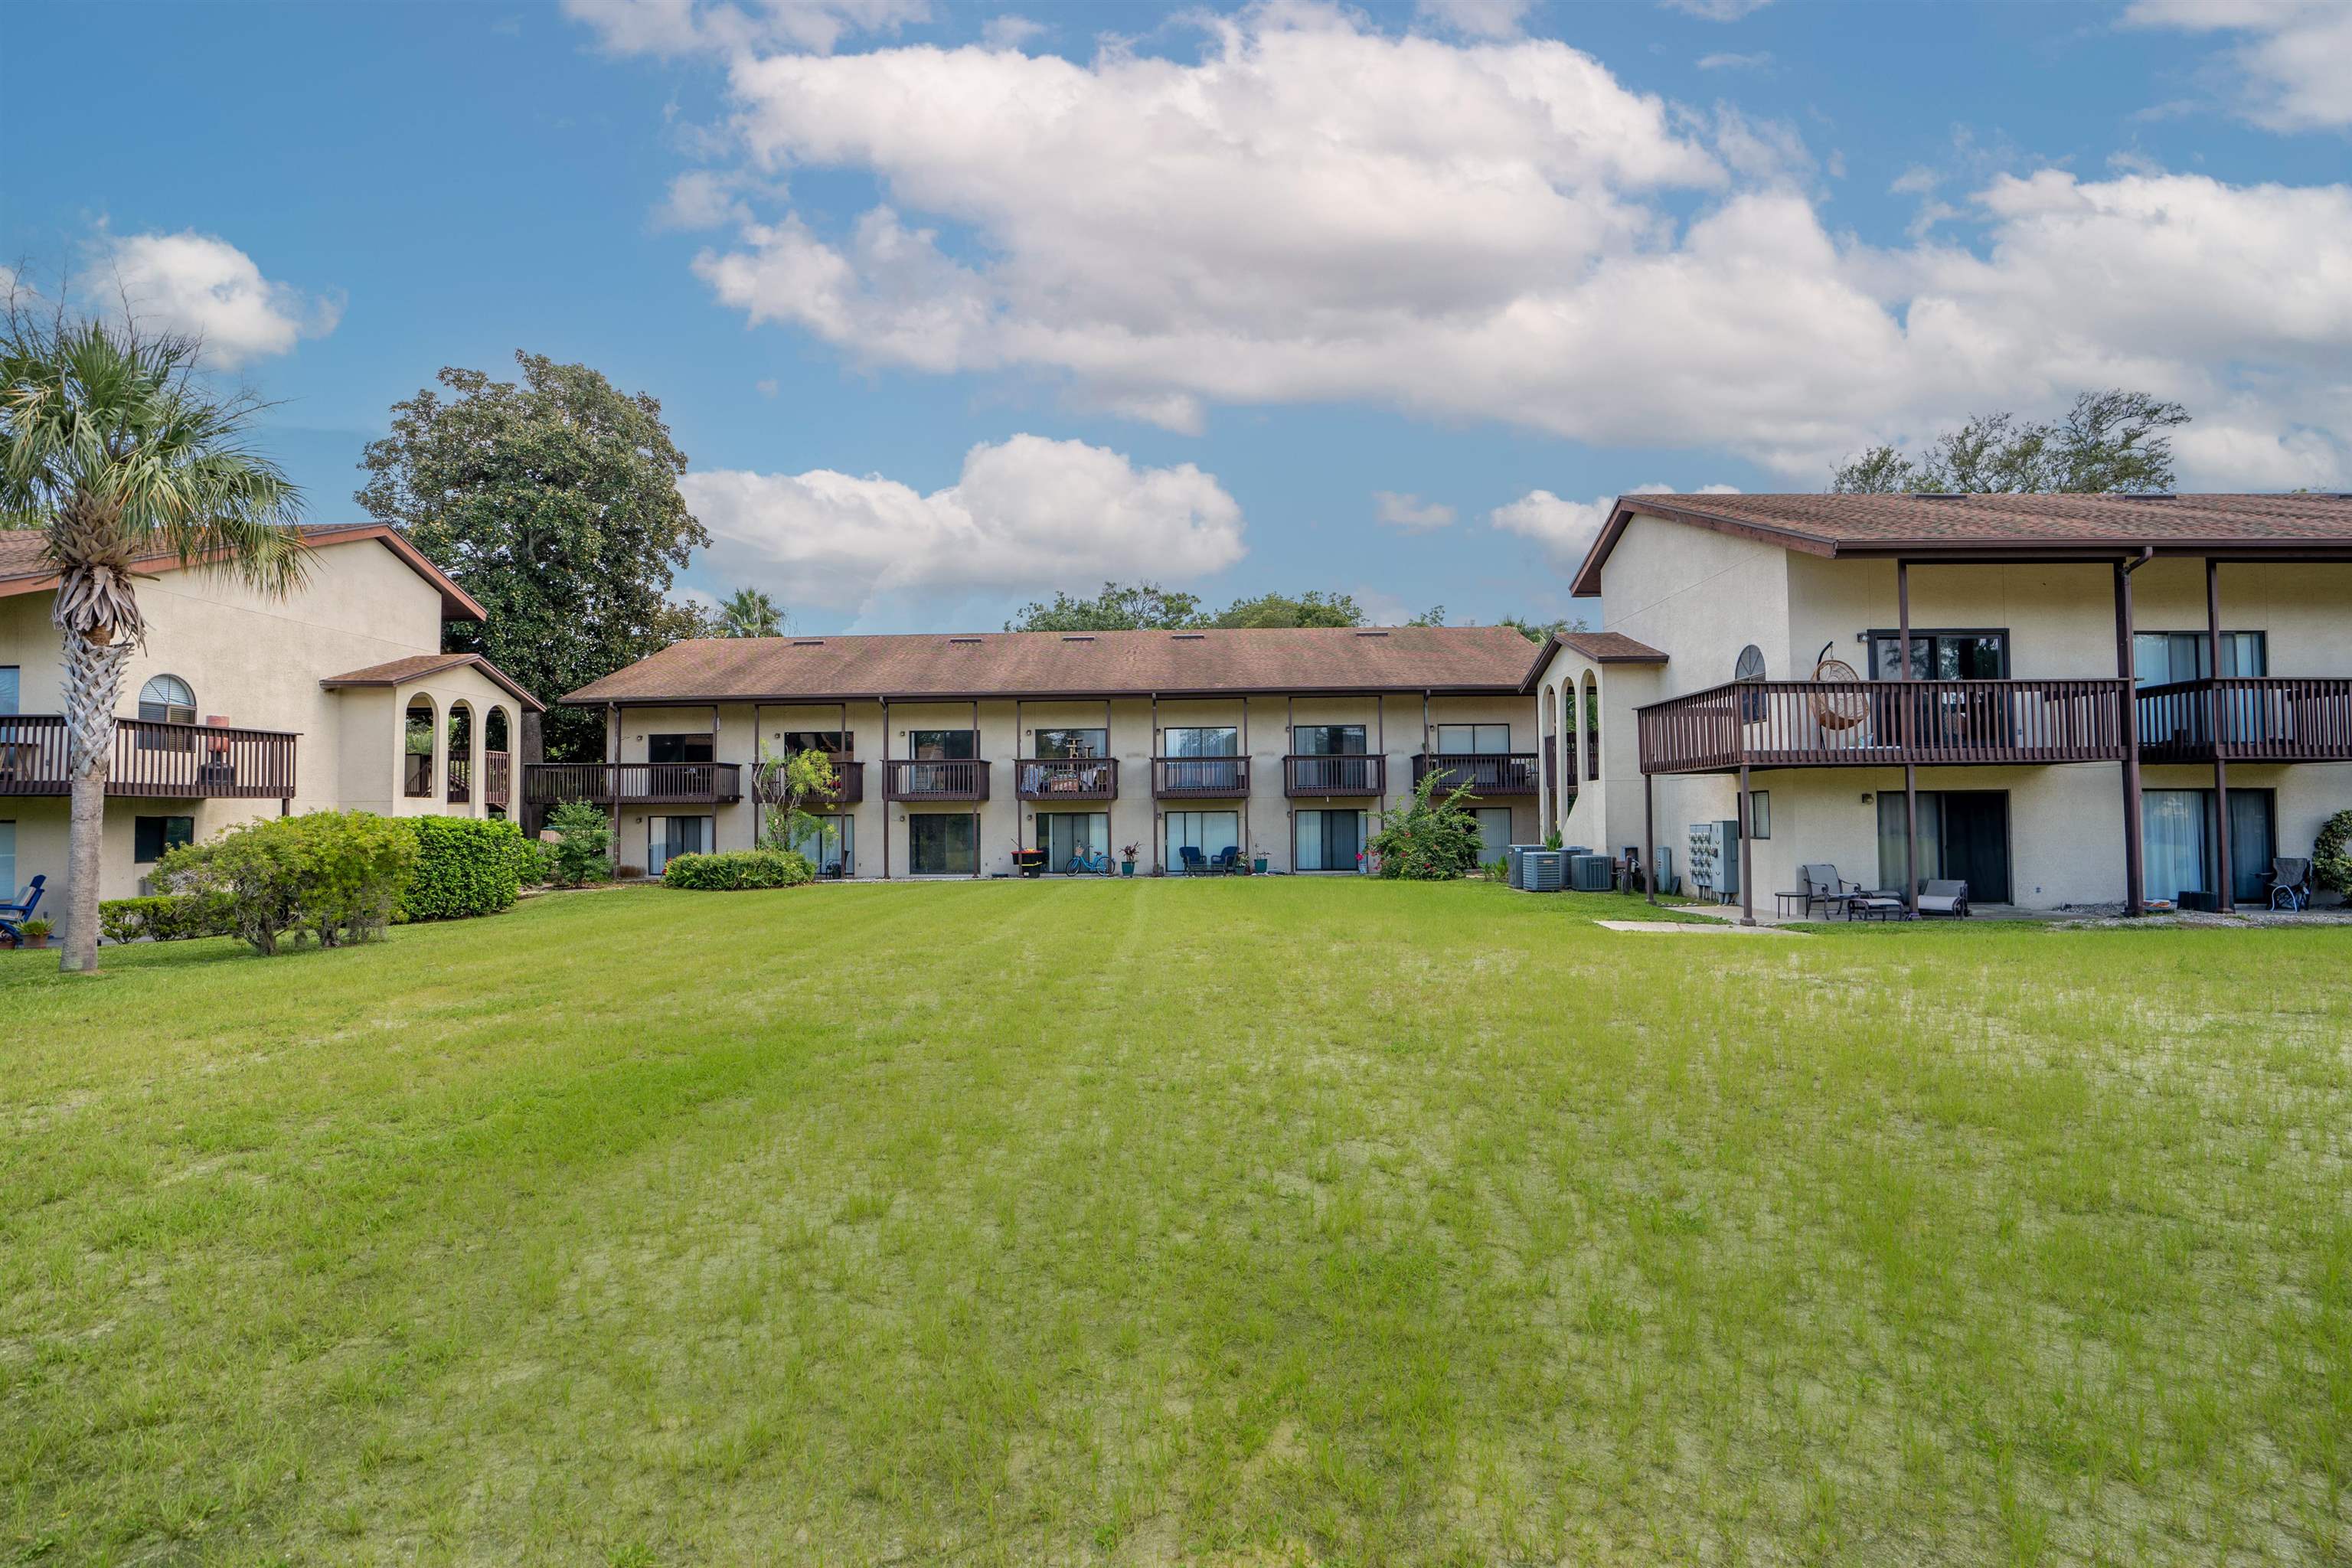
<point x="1157" y="1221"/>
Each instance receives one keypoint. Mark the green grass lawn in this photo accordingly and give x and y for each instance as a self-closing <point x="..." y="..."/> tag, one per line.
<point x="1253" y="1222"/>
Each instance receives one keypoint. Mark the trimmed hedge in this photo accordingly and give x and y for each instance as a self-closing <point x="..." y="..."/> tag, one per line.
<point x="738" y="870"/>
<point x="2331" y="855"/>
<point x="330" y="877"/>
<point x="165" y="917"/>
<point x="465" y="867"/>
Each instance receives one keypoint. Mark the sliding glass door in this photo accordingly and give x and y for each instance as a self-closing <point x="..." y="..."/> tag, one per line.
<point x="2178" y="830"/>
<point x="1205" y="757"/>
<point x="1963" y="836"/>
<point x="1493" y="832"/>
<point x="831" y="844"/>
<point x="668" y="837"/>
<point x="1207" y="832"/>
<point x="943" y="843"/>
<point x="1067" y="835"/>
<point x="1329" y="840"/>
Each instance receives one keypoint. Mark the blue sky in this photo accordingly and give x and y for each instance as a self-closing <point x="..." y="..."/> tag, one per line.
<point x="957" y="305"/>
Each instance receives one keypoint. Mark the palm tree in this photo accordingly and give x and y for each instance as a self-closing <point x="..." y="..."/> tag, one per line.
<point x="112" y="445"/>
<point x="748" y="613"/>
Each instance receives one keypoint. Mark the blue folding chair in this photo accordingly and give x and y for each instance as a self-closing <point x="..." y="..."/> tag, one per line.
<point x="13" y="915"/>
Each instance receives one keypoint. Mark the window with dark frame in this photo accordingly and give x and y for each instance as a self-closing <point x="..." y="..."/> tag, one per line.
<point x="832" y="742"/>
<point x="152" y="835"/>
<point x="1759" y="814"/>
<point x="690" y="748"/>
<point x="1978" y="653"/>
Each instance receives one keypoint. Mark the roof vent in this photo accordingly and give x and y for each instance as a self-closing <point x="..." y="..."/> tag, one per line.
<point x="1077" y="639"/>
<point x="808" y="642"/>
<point x="1939" y="495"/>
<point x="1371" y="634"/>
<point x="1189" y="636"/>
<point x="2149" y="495"/>
<point x="963" y="642"/>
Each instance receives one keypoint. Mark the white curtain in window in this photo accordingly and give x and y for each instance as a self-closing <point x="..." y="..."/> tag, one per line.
<point x="2174" y="841"/>
<point x="1207" y="831"/>
<point x="8" y="888"/>
<point x="668" y="837"/>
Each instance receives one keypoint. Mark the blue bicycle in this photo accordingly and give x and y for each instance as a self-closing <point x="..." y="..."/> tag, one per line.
<point x="1087" y="863"/>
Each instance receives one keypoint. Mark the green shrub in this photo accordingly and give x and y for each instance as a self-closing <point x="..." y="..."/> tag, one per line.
<point x="1495" y="870"/>
<point x="738" y="869"/>
<point x="541" y="863"/>
<point x="1431" y="840"/>
<point x="166" y="917"/>
<point x="337" y="876"/>
<point x="2331" y="854"/>
<point x="465" y="867"/>
<point x="584" y="843"/>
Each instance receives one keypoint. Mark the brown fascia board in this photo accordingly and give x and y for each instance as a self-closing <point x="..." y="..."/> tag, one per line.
<point x="1586" y="585"/>
<point x="1087" y="694"/>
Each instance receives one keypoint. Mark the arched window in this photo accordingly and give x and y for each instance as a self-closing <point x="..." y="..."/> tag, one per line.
<point x="168" y="698"/>
<point x="1589" y="713"/>
<point x="1748" y="670"/>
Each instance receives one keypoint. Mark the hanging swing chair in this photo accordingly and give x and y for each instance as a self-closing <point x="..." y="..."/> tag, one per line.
<point x="1837" y="709"/>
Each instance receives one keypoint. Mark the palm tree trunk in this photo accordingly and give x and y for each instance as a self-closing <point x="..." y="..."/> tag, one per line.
<point x="93" y="681"/>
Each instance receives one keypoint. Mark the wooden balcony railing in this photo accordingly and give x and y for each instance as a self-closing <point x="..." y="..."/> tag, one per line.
<point x="153" y="760"/>
<point x="2255" y="719"/>
<point x="634" y="784"/>
<point x="416" y="774"/>
<point x="1066" y="778"/>
<point x="1334" y="775"/>
<point x="1486" y="773"/>
<point x="915" y="779"/>
<point x="1552" y="753"/>
<point x="1199" y="778"/>
<point x="461" y="780"/>
<point x="849" y="779"/>
<point x="498" y="778"/>
<point x="1943" y="724"/>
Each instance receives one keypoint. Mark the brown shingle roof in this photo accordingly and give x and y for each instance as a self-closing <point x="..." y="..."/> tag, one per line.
<point x="23" y="571"/>
<point x="1610" y="647"/>
<point x="1053" y="663"/>
<point x="2293" y="526"/>
<point x="416" y="666"/>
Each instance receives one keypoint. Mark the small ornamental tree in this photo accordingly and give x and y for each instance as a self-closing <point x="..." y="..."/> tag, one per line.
<point x="788" y="782"/>
<point x="584" y="843"/>
<point x="1432" y="840"/>
<point x="2331" y="854"/>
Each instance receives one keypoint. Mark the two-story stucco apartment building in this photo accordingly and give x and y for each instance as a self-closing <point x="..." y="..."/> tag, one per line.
<point x="2106" y="698"/>
<point x="957" y="751"/>
<point x="336" y="697"/>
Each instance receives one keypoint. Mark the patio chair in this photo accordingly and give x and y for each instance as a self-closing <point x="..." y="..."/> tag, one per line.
<point x="1944" y="898"/>
<point x="1821" y="884"/>
<point x="2290" y="883"/>
<point x="1194" y="862"/>
<point x="13" y="915"/>
<point x="1228" y="862"/>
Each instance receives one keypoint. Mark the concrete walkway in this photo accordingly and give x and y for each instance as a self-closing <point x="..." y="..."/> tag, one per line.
<point x="1694" y="928"/>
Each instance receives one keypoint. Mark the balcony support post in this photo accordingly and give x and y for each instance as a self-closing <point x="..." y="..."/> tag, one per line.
<point x="887" y="802"/>
<point x="2134" y="854"/>
<point x="2225" y="902"/>
<point x="1159" y="817"/>
<point x="1650" y="834"/>
<point x="1747" y="856"/>
<point x="1910" y="731"/>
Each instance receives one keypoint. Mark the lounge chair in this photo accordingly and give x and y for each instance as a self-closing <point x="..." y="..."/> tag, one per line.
<point x="1194" y="863"/>
<point x="1941" y="897"/>
<point x="2290" y="883"/>
<point x="1820" y="885"/>
<point x="13" y="915"/>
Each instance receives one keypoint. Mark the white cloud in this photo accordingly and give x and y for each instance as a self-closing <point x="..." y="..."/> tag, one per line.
<point x="670" y="28"/>
<point x="701" y="198"/>
<point x="1477" y="18"/>
<point x="1716" y="10"/>
<point x="1410" y="512"/>
<point x="1026" y="514"/>
<point x="1721" y="62"/>
<point x="198" y="283"/>
<point x="1566" y="529"/>
<point x="1010" y="32"/>
<point x="1313" y="210"/>
<point x="767" y="388"/>
<point x="2295" y="54"/>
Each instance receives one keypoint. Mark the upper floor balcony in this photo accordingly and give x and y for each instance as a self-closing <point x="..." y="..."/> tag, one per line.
<point x="1199" y="778"/>
<point x="2270" y="719"/>
<point x="634" y="784"/>
<point x="849" y="786"/>
<point x="1938" y="723"/>
<point x="153" y="759"/>
<point x="920" y="780"/>
<point x="1050" y="779"/>
<point x="1486" y="774"/>
<point x="1334" y="774"/>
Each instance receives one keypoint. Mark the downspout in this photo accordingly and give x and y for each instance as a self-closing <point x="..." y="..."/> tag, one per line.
<point x="2134" y="843"/>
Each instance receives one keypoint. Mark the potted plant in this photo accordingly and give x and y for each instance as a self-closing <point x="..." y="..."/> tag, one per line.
<point x="1258" y="864"/>
<point x="1127" y="859"/>
<point x="36" y="930"/>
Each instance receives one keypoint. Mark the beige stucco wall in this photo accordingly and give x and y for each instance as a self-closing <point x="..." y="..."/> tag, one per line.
<point x="256" y="662"/>
<point x="1007" y="732"/>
